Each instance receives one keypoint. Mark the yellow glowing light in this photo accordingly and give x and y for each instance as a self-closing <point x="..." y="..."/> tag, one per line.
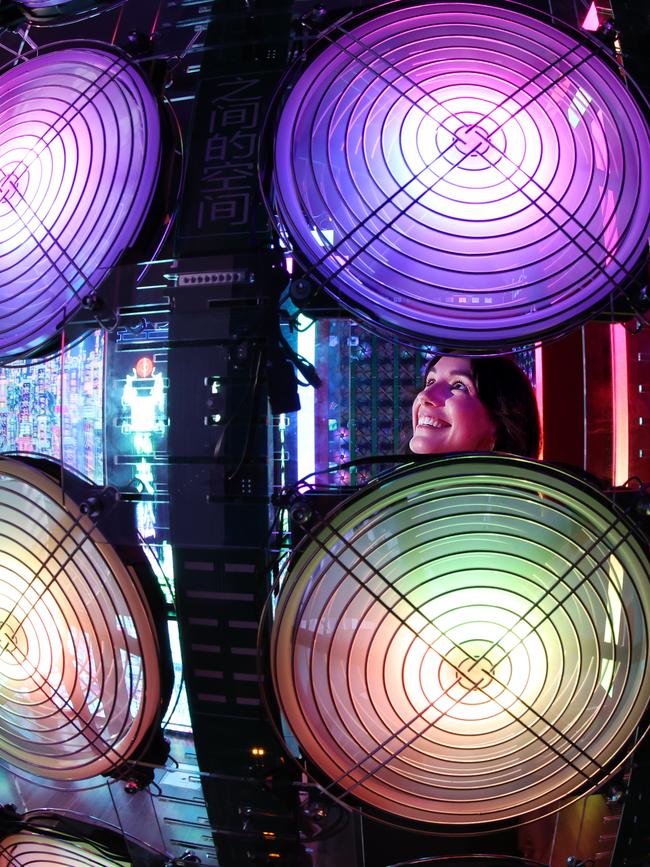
<point x="79" y="670"/>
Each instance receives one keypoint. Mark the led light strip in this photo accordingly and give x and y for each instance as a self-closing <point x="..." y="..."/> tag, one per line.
<point x="79" y="663"/>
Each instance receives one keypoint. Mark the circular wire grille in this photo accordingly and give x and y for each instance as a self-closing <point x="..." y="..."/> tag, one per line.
<point x="79" y="668"/>
<point x="470" y="861"/>
<point x="57" y="7"/>
<point x="79" y="159"/>
<point x="466" y="642"/>
<point x="464" y="174"/>
<point x="29" y="849"/>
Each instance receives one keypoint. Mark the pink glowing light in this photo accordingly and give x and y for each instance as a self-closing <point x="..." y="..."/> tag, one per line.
<point x="446" y="172"/>
<point x="620" y="416"/>
<point x="591" y="21"/>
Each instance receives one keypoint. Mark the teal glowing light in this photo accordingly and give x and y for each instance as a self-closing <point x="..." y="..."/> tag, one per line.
<point x="465" y="641"/>
<point x="144" y="399"/>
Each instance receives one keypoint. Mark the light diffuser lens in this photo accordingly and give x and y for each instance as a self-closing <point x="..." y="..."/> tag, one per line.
<point x="29" y="849"/>
<point x="466" y="642"/>
<point x="463" y="174"/>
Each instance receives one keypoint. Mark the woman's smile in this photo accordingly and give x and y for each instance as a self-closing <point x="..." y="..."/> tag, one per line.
<point x="448" y="415"/>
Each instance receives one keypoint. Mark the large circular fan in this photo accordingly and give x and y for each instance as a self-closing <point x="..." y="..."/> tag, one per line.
<point x="464" y="174"/>
<point x="466" y="642"/>
<point x="30" y="849"/>
<point x="79" y="667"/>
<point x="80" y="141"/>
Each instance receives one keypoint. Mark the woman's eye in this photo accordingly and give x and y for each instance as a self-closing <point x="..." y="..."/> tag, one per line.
<point x="460" y="386"/>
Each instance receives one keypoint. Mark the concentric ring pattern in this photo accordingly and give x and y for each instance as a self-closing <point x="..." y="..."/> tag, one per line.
<point x="466" y="642"/>
<point x="30" y="849"/>
<point x="470" y="861"/>
<point x="80" y="144"/>
<point x="79" y="666"/>
<point x="464" y="174"/>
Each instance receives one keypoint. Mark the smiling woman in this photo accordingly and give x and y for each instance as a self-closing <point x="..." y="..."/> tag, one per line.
<point x="478" y="404"/>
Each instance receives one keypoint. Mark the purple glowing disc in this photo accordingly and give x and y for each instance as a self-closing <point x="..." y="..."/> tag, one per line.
<point x="463" y="174"/>
<point x="80" y="146"/>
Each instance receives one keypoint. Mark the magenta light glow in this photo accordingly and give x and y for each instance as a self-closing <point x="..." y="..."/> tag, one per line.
<point x="79" y="159"/>
<point x="463" y="174"/>
<point x="79" y="656"/>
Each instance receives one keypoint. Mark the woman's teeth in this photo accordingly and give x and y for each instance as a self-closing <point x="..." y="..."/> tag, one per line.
<point x="431" y="422"/>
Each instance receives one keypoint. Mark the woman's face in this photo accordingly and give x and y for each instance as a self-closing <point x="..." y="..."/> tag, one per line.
<point x="448" y="415"/>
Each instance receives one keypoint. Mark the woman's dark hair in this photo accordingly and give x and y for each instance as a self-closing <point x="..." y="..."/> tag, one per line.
<point x="505" y="391"/>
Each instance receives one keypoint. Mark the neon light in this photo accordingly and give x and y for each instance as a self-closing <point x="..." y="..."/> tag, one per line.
<point x="144" y="367"/>
<point x="539" y="393"/>
<point x="76" y="182"/>
<point x="591" y="21"/>
<point x="620" y="416"/>
<point x="144" y="474"/>
<point x="145" y="400"/>
<point x="142" y="444"/>
<point x="145" y="519"/>
<point x="306" y="440"/>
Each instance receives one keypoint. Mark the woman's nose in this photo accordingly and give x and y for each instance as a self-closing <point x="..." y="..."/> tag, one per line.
<point x="433" y="393"/>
